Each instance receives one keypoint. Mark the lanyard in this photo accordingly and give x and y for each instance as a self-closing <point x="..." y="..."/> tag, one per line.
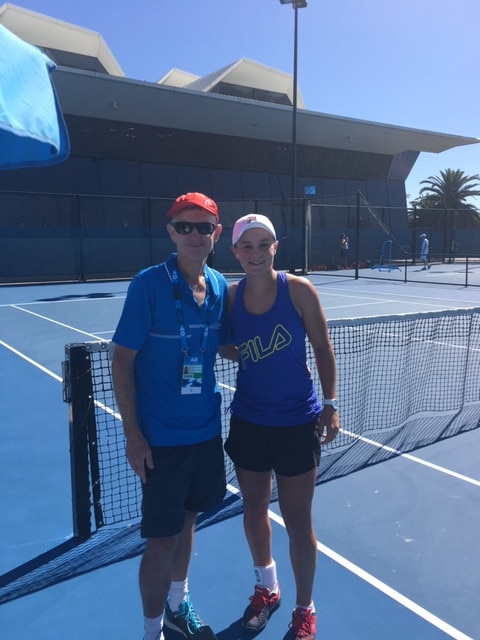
<point x="181" y="318"/>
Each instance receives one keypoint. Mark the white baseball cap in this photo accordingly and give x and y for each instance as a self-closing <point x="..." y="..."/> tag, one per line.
<point x="251" y="221"/>
<point x="423" y="235"/>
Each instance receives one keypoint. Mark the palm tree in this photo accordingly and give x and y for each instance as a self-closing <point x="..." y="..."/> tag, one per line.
<point x="449" y="192"/>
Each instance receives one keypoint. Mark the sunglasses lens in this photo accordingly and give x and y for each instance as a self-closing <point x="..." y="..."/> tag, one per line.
<point x="183" y="227"/>
<point x="203" y="228"/>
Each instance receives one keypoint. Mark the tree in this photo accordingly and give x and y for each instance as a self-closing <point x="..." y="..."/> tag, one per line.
<point x="448" y="192"/>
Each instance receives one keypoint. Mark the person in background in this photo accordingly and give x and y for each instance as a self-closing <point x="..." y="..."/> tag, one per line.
<point x="344" y="252"/>
<point x="166" y="342"/>
<point x="424" y="251"/>
<point x="277" y="422"/>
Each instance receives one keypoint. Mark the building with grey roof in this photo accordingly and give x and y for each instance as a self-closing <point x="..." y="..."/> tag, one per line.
<point x="227" y="134"/>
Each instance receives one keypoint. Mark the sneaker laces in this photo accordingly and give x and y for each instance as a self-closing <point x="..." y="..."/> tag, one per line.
<point x="259" y="599"/>
<point x="187" y="612"/>
<point x="302" y="622"/>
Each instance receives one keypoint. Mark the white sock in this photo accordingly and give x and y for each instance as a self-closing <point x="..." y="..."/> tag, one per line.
<point x="311" y="607"/>
<point x="177" y="593"/>
<point x="267" y="576"/>
<point x="153" y="627"/>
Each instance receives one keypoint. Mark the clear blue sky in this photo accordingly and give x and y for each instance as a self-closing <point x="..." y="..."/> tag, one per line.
<point x="410" y="63"/>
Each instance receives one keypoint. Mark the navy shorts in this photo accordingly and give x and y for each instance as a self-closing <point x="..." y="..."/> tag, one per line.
<point x="188" y="478"/>
<point x="289" y="451"/>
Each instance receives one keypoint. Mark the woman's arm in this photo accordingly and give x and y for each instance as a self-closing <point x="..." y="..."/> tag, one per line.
<point x="307" y="303"/>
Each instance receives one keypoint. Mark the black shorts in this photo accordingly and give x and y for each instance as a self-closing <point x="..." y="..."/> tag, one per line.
<point x="184" y="478"/>
<point x="289" y="451"/>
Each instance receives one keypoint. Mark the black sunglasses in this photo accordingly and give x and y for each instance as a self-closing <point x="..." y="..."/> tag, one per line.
<point x="203" y="228"/>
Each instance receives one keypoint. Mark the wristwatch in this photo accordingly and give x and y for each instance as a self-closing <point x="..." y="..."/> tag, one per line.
<point x="332" y="402"/>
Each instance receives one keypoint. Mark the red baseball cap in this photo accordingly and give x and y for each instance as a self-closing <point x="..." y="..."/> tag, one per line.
<point x="193" y="200"/>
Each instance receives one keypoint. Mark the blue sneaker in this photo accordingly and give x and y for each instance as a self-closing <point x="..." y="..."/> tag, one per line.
<point x="186" y="622"/>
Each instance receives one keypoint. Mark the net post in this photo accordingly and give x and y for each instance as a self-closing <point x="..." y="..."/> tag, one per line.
<point x="77" y="393"/>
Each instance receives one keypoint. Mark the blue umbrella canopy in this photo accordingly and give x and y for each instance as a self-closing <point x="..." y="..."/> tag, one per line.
<point x="32" y="128"/>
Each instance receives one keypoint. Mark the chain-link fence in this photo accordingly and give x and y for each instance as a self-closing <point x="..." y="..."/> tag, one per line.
<point x="51" y="237"/>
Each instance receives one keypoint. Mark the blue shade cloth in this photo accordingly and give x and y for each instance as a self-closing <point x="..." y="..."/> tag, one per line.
<point x="32" y="128"/>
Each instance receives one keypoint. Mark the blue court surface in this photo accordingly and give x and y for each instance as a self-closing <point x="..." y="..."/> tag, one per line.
<point x="398" y="542"/>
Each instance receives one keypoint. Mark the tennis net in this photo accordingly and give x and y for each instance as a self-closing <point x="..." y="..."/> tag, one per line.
<point x="403" y="382"/>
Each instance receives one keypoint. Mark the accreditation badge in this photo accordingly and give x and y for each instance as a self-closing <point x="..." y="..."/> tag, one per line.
<point x="192" y="375"/>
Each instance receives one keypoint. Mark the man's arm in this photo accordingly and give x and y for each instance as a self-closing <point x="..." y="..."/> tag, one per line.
<point x="137" y="449"/>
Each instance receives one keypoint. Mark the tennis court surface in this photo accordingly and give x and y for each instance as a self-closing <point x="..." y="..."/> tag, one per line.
<point x="398" y="553"/>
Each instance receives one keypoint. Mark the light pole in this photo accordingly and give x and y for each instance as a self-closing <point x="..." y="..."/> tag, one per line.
<point x="296" y="4"/>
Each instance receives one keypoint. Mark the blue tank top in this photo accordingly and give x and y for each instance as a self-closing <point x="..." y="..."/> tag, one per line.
<point x="274" y="384"/>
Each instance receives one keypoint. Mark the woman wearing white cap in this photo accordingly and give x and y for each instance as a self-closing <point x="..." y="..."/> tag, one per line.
<point x="277" y="422"/>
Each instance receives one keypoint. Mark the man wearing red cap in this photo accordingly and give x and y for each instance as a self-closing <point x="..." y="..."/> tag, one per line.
<point x="166" y="341"/>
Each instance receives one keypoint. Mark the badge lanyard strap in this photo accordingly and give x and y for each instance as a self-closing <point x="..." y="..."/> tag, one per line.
<point x="181" y="319"/>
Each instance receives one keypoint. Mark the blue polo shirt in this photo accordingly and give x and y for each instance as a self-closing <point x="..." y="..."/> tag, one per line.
<point x="149" y="324"/>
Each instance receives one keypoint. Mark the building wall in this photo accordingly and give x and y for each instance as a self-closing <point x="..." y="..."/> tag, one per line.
<point x="118" y="177"/>
<point x="102" y="212"/>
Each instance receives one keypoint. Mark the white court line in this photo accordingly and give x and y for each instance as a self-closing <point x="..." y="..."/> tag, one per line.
<point x="376" y="583"/>
<point x="380" y="301"/>
<point x="400" y="297"/>
<point x="349" y="305"/>
<point x="388" y="591"/>
<point x="408" y="456"/>
<point x="30" y="361"/>
<point x="60" y="324"/>
<point x="66" y="300"/>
